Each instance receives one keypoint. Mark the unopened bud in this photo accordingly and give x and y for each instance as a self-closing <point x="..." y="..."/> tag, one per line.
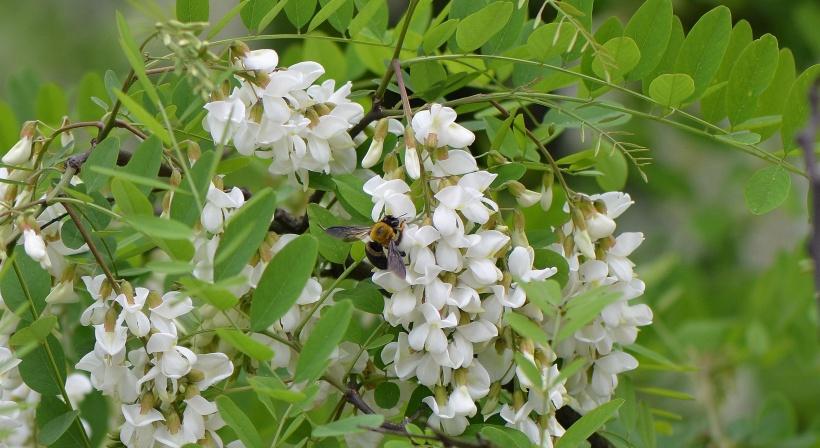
<point x="147" y="403"/>
<point x="239" y="49"/>
<point x="195" y="376"/>
<point x="374" y="152"/>
<point x="518" y="235"/>
<point x="110" y="321"/>
<point x="67" y="137"/>
<point x="176" y="178"/>
<point x="584" y="243"/>
<point x="524" y="197"/>
<point x="154" y="299"/>
<point x="194" y="151"/>
<point x="546" y="191"/>
<point x="496" y="158"/>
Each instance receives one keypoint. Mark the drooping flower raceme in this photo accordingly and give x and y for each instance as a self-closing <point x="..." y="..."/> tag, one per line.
<point x="282" y="115"/>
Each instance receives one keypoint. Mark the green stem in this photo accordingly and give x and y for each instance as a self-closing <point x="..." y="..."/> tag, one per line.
<point x="324" y="297"/>
<point x="379" y="95"/>
<point x="55" y="371"/>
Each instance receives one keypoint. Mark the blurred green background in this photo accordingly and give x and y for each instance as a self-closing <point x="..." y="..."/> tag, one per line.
<point x="731" y="291"/>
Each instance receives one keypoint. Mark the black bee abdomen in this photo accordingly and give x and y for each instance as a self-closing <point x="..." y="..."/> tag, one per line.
<point x="375" y="254"/>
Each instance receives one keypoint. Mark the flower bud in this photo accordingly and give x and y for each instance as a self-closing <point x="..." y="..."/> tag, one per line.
<point x="518" y="236"/>
<point x="63" y="292"/>
<point x="546" y="191"/>
<point x="194" y="152"/>
<point x="67" y="137"/>
<point x="239" y="49"/>
<point x="411" y="155"/>
<point x="496" y="158"/>
<point x="147" y="402"/>
<point x="584" y="243"/>
<point x="600" y="226"/>
<point x="374" y="153"/>
<point x="524" y="197"/>
<point x="19" y="153"/>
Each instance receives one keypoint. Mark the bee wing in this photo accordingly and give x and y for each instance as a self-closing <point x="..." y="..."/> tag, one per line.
<point x="348" y="233"/>
<point x="395" y="262"/>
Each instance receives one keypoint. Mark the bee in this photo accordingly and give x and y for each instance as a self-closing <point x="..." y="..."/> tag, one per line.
<point x="382" y="249"/>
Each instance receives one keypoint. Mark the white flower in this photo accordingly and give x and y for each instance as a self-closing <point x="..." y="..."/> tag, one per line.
<point x="429" y="334"/>
<point x="36" y="247"/>
<point x="607" y="368"/>
<point x="109" y="374"/>
<point x="77" y="386"/>
<point x="524" y="197"/>
<point x="264" y="60"/>
<point x="62" y="293"/>
<point x="411" y="162"/>
<point x="223" y="119"/>
<point x="136" y="320"/>
<point x="404" y="359"/>
<point x="19" y="153"/>
<point x="438" y="126"/>
<point x="173" y="305"/>
<point x="390" y="197"/>
<point x="218" y="206"/>
<point x="138" y="417"/>
<point x="520" y="262"/>
<point x="619" y="265"/>
<point x="214" y="368"/>
<point x="599" y="226"/>
<point x="520" y="420"/>
<point x="444" y="417"/>
<point x="174" y="361"/>
<point x="468" y="197"/>
<point x="111" y="342"/>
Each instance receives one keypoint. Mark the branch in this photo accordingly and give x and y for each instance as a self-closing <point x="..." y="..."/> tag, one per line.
<point x="806" y="141"/>
<point x="91" y="246"/>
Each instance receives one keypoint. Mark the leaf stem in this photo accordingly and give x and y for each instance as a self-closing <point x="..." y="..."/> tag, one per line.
<point x="324" y="297"/>
<point x="91" y="246"/>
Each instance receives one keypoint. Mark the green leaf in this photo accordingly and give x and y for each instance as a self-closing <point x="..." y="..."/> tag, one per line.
<point x="239" y="422"/>
<point x="329" y="53"/>
<point x="50" y="413"/>
<point x="283" y="281"/>
<point x="299" y="12"/>
<point x="91" y="85"/>
<point x="192" y="10"/>
<point x="620" y="55"/>
<point x="588" y="424"/>
<point x="796" y="111"/>
<point x="650" y="27"/>
<point x="352" y="197"/>
<point x="144" y="116"/>
<point x="667" y="63"/>
<point x="387" y="394"/>
<point x="245" y="344"/>
<point x="35" y="333"/>
<point x="364" y="17"/>
<point x="325" y="12"/>
<point x="772" y="101"/>
<point x="365" y="297"/>
<point x="324" y="338"/>
<point x="702" y="50"/>
<point x="37" y="371"/>
<point x="146" y="161"/>
<point x="276" y="389"/>
<point x="505" y="437"/>
<point x="244" y="232"/>
<point x="161" y="228"/>
<point x="425" y="77"/>
<point x="55" y="428"/>
<point x="582" y="309"/>
<point x="477" y="28"/>
<point x="104" y="155"/>
<point x="525" y="327"/>
<point x="612" y="164"/>
<point x="183" y="206"/>
<point x="254" y="11"/>
<point x="507" y="172"/>
<point x="671" y="89"/>
<point x="666" y="393"/>
<point x="767" y="189"/>
<point x="713" y="103"/>
<point x="135" y="59"/>
<point x="215" y="294"/>
<point x="9" y="128"/>
<point x="51" y="104"/>
<point x="130" y="199"/>
<point x="351" y="425"/>
<point x="437" y="35"/>
<point x="751" y="75"/>
<point x="530" y="370"/>
<point x="551" y="40"/>
<point x="331" y="249"/>
<point x="226" y="19"/>
<point x="36" y="282"/>
<point x="545" y="295"/>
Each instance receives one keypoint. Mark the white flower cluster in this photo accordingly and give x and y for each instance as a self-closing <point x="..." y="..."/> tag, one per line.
<point x="452" y="302"/>
<point x="159" y="377"/>
<point x="280" y="114"/>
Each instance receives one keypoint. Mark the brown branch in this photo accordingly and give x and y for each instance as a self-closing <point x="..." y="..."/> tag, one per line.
<point x="806" y="141"/>
<point x="91" y="246"/>
<point x="376" y="113"/>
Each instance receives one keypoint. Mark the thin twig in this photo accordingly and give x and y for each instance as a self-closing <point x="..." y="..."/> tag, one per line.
<point x="806" y="141"/>
<point x="91" y="246"/>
